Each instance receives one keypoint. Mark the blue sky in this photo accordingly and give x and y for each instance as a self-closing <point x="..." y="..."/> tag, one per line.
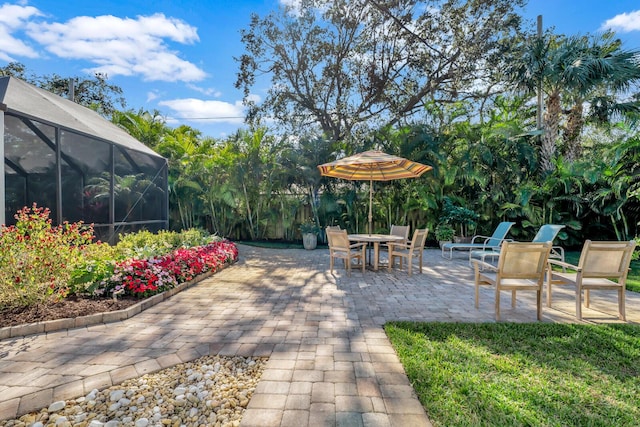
<point x="176" y="56"/>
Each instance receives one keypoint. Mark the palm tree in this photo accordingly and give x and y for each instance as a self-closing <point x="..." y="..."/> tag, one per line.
<point x="573" y="71"/>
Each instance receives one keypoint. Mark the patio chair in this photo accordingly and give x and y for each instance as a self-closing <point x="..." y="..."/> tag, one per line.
<point x="521" y="266"/>
<point x="341" y="248"/>
<point x="398" y="230"/>
<point x="480" y="242"/>
<point x="408" y="251"/>
<point x="602" y="265"/>
<point x="546" y="233"/>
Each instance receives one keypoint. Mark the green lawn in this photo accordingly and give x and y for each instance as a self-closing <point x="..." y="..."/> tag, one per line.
<point x="522" y="374"/>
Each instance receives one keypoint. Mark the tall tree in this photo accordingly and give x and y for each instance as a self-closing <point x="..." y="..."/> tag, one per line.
<point x="573" y="71"/>
<point x="349" y="65"/>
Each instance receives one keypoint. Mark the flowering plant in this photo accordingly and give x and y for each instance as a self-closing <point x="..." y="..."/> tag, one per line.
<point x="145" y="277"/>
<point x="37" y="259"/>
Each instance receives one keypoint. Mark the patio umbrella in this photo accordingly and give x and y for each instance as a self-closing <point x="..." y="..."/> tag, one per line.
<point x="373" y="166"/>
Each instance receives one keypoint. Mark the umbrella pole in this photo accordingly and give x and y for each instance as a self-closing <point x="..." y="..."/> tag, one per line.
<point x="370" y="203"/>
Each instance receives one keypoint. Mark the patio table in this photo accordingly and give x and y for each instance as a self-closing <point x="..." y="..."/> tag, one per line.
<point x="376" y="239"/>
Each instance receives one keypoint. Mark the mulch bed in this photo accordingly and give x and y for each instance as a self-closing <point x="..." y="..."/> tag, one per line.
<point x="69" y="307"/>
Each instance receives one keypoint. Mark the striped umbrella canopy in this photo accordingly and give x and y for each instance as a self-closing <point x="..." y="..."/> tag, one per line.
<point x="373" y="166"/>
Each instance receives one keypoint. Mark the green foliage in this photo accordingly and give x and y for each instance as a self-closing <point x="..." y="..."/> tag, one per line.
<point x="444" y="232"/>
<point x="144" y="244"/>
<point x="309" y="227"/>
<point x="463" y="217"/>
<point x="522" y="374"/>
<point x="37" y="260"/>
<point x="86" y="277"/>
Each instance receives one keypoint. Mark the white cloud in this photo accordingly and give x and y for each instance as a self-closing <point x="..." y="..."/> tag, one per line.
<point x="122" y="46"/>
<point x="151" y="95"/>
<point x="624" y="22"/>
<point x="209" y="91"/>
<point x="254" y="97"/>
<point x="14" y="18"/>
<point x="198" y="110"/>
<point x="293" y="6"/>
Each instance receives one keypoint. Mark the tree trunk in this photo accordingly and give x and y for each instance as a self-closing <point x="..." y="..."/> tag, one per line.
<point x="573" y="144"/>
<point x="551" y="125"/>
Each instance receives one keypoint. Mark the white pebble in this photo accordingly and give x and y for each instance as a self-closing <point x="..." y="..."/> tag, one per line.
<point x="116" y="395"/>
<point x="218" y="389"/>
<point x="57" y="406"/>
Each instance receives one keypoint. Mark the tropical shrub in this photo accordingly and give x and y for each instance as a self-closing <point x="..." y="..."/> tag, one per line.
<point x="37" y="259"/>
<point x="98" y="265"/>
<point x="144" y="244"/>
<point x="39" y="262"/>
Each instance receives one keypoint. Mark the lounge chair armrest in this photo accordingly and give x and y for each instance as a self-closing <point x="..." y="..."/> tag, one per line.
<point x="500" y="241"/>
<point x="482" y="265"/>
<point x="558" y="251"/>
<point x="563" y="264"/>
<point x="480" y="237"/>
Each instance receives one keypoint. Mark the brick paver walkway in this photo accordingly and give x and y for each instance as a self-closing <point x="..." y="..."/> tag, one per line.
<point x="330" y="364"/>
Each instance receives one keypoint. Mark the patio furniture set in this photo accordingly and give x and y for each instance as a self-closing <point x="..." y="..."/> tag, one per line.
<point x="518" y="266"/>
<point x="350" y="247"/>
<point x="502" y="263"/>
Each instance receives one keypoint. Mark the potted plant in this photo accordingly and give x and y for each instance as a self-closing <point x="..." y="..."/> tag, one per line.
<point x="460" y="218"/>
<point x="444" y="233"/>
<point x="309" y="230"/>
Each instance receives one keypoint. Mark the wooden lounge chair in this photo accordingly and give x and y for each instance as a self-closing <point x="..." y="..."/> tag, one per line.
<point x="602" y="265"/>
<point x="480" y="242"/>
<point x="521" y="266"/>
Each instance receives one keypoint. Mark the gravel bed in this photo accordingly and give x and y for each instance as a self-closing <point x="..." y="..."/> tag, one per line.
<point x="210" y="391"/>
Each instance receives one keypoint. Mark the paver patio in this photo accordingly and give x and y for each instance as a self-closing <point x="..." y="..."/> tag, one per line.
<point x="330" y="362"/>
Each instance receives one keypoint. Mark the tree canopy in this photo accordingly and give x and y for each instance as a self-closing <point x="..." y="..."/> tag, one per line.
<point x="349" y="66"/>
